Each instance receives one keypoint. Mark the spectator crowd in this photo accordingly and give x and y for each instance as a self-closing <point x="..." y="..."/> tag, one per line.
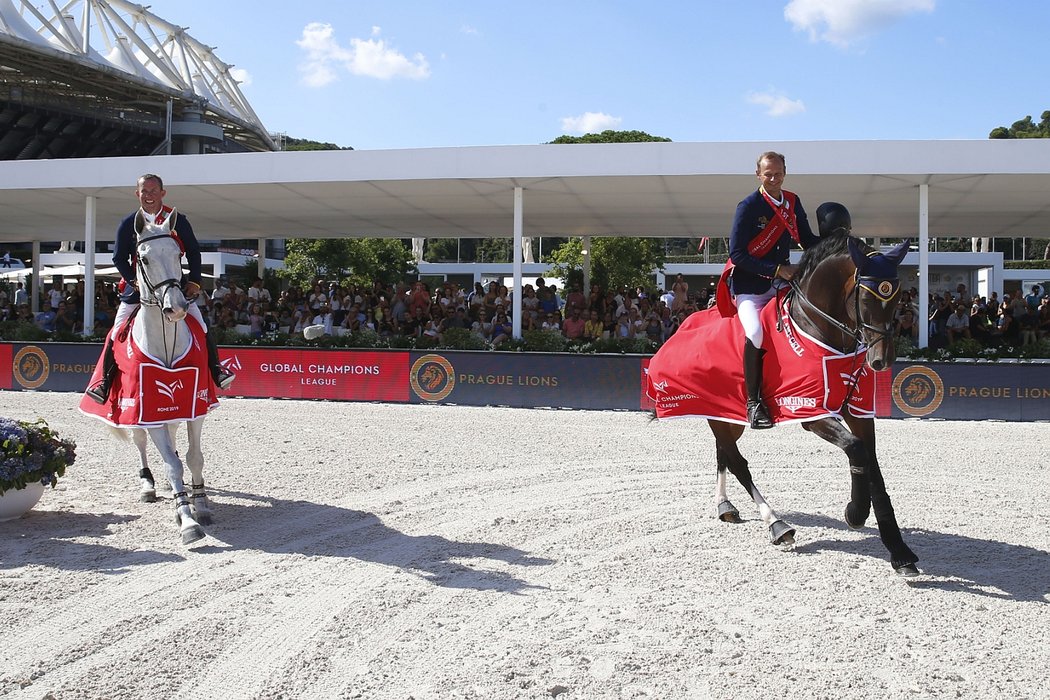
<point x="414" y="310"/>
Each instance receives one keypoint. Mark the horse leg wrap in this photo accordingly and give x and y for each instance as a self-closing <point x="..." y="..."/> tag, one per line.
<point x="191" y="530"/>
<point x="199" y="504"/>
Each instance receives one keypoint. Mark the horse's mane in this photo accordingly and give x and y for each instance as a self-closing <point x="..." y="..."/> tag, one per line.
<point x="829" y="246"/>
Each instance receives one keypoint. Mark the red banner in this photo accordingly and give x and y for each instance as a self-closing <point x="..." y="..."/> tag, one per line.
<point x="6" y="366"/>
<point x="317" y="374"/>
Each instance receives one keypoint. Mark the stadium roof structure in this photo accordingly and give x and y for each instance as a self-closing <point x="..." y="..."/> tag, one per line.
<point x="970" y="188"/>
<point x="96" y="78"/>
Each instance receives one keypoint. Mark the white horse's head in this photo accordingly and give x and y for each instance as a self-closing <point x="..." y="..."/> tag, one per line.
<point x="160" y="269"/>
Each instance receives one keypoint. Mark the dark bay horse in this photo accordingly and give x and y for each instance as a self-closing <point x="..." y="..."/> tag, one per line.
<point x="843" y="296"/>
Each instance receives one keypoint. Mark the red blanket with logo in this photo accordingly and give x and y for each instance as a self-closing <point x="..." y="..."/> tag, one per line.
<point x="146" y="394"/>
<point x="699" y="372"/>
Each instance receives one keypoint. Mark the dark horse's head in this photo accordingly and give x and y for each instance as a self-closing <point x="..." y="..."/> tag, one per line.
<point x="849" y="290"/>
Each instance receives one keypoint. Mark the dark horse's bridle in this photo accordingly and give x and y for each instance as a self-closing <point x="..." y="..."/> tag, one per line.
<point x="883" y="289"/>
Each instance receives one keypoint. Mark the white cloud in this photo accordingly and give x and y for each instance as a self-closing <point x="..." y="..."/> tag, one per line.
<point x="371" y="58"/>
<point x="467" y="29"/>
<point x="776" y="105"/>
<point x="589" y="123"/>
<point x="243" y="77"/>
<point x="841" y="22"/>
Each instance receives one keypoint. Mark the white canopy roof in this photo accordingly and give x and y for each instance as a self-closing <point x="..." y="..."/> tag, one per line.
<point x="976" y="188"/>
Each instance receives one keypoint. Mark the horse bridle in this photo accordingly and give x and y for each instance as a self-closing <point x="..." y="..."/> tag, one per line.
<point x="155" y="291"/>
<point x="883" y="289"/>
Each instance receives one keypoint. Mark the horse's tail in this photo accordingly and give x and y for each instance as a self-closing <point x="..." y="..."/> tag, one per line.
<point x="116" y="433"/>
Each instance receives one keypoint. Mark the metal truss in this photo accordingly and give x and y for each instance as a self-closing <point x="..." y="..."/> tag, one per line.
<point x="135" y="55"/>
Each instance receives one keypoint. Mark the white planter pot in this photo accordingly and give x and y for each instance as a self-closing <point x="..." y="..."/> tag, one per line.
<point x="14" y="503"/>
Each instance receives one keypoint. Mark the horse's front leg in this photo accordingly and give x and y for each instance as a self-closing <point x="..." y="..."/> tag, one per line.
<point x="190" y="528"/>
<point x="868" y="487"/>
<point x="147" y="485"/>
<point x="199" y="502"/>
<point x="729" y="458"/>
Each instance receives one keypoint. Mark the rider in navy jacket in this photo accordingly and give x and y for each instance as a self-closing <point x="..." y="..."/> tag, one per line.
<point x="767" y="223"/>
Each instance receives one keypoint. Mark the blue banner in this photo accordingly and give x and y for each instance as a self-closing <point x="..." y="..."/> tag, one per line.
<point x="972" y="391"/>
<point x="532" y="380"/>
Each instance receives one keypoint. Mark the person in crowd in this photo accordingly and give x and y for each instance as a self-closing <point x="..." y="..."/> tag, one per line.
<point x="573" y="326"/>
<point x="624" y="327"/>
<point x="958" y="324"/>
<point x="982" y="327"/>
<point x="907" y="328"/>
<point x="654" y="328"/>
<point x="940" y="310"/>
<point x="679" y="293"/>
<point x="150" y="193"/>
<point x="21" y="296"/>
<point x="501" y="329"/>
<point x="592" y="329"/>
<point x="482" y="326"/>
<point x="551" y="322"/>
<point x="256" y="321"/>
<point x="65" y="322"/>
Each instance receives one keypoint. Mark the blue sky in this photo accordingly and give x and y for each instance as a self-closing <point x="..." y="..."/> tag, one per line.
<point x="408" y="74"/>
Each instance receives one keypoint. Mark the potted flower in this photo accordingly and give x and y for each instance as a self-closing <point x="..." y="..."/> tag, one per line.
<point x="32" y="456"/>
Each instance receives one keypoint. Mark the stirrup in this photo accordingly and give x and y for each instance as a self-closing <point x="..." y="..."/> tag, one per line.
<point x="758" y="416"/>
<point x="97" y="394"/>
<point x="224" y="379"/>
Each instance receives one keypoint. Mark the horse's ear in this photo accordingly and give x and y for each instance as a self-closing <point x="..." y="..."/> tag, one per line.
<point x="857" y="252"/>
<point x="896" y="255"/>
<point x="169" y="221"/>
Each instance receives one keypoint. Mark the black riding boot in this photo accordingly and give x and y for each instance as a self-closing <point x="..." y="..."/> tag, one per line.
<point x="223" y="378"/>
<point x="99" y="393"/>
<point x="757" y="414"/>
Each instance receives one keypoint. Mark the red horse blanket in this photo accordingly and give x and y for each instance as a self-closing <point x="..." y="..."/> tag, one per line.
<point x="146" y="393"/>
<point x="699" y="372"/>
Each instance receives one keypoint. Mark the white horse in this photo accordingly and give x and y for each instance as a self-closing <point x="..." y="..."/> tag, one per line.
<point x="161" y="331"/>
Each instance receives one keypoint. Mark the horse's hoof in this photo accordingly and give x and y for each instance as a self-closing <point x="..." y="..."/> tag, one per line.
<point x="907" y="570"/>
<point x="148" y="496"/>
<point x="192" y="534"/>
<point x="728" y="513"/>
<point x="781" y="533"/>
<point x="853" y="525"/>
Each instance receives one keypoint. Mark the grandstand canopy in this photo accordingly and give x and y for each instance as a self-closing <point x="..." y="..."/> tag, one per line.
<point x="976" y="188"/>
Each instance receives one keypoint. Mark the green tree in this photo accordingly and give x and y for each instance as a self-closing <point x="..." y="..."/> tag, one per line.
<point x="615" y="262"/>
<point x="1024" y="129"/>
<point x="292" y="144"/>
<point x="347" y="260"/>
<point x="609" y="136"/>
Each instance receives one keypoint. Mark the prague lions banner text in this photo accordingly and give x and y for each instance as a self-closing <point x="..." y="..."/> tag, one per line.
<point x="972" y="391"/>
<point x="526" y="379"/>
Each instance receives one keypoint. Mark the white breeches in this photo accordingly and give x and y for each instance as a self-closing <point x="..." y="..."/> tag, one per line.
<point x="124" y="310"/>
<point x="748" y="307"/>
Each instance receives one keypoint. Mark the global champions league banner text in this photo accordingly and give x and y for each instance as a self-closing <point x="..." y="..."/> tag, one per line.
<point x="962" y="391"/>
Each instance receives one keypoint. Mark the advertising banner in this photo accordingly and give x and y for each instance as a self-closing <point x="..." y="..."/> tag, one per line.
<point x="1003" y="390"/>
<point x="339" y="375"/>
<point x="526" y="379"/>
<point x="972" y="391"/>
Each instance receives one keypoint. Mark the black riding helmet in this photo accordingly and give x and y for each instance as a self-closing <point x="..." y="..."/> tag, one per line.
<point x="832" y="217"/>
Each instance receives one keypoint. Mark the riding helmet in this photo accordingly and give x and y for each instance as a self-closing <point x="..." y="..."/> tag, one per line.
<point x="833" y="217"/>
